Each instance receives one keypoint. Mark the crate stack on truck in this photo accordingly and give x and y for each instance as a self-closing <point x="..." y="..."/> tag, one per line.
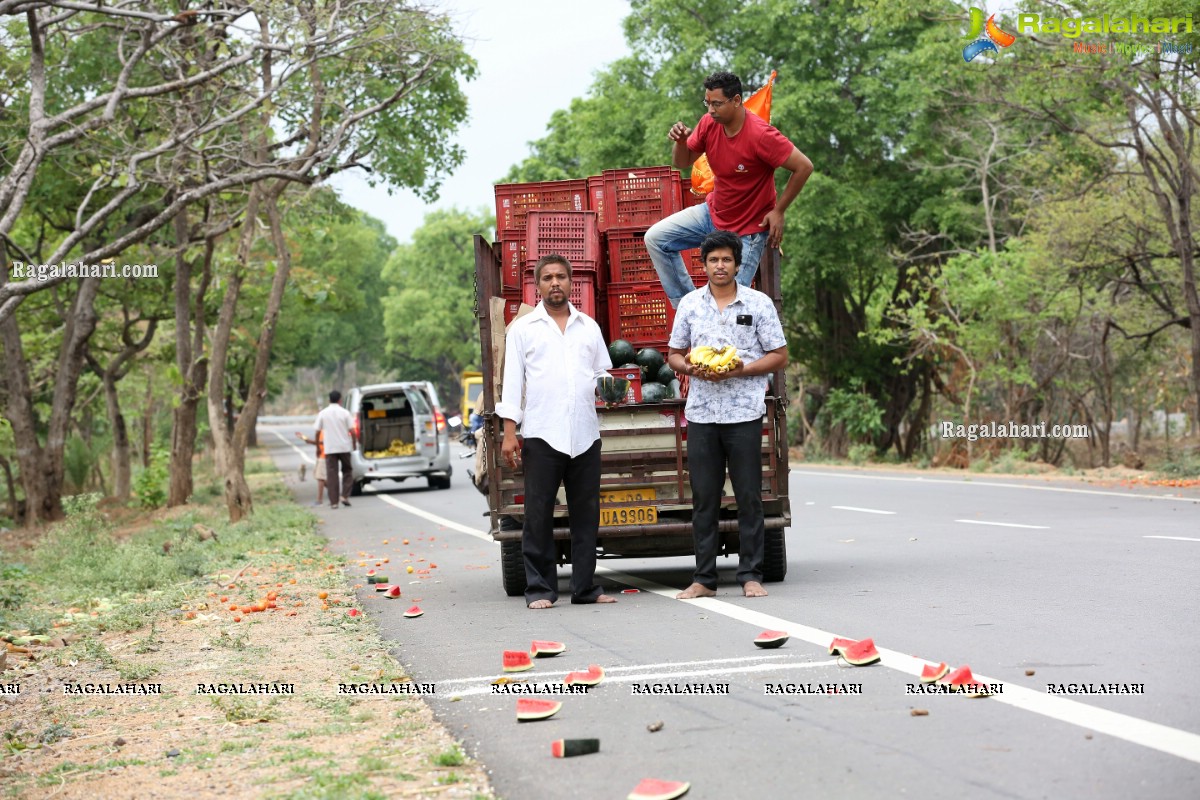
<point x="599" y="224"/>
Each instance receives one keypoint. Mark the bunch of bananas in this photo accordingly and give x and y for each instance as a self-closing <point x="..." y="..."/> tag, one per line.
<point x="714" y="359"/>
<point x="396" y="448"/>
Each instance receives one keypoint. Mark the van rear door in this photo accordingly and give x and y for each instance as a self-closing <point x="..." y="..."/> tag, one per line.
<point x="428" y="440"/>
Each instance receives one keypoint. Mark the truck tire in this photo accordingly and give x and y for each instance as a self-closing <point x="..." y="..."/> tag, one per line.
<point x="774" y="556"/>
<point x="512" y="568"/>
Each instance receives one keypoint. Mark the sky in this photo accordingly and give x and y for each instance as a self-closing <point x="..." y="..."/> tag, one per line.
<point x="533" y="55"/>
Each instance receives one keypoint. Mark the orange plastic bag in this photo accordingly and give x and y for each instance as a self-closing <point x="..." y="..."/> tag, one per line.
<point x="758" y="103"/>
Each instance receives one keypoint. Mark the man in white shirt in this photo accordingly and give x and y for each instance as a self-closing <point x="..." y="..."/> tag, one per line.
<point x="552" y="358"/>
<point x="340" y="440"/>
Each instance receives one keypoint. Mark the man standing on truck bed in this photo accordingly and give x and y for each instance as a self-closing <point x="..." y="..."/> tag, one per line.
<point x="552" y="358"/>
<point x="725" y="410"/>
<point x="340" y="439"/>
<point x="744" y="151"/>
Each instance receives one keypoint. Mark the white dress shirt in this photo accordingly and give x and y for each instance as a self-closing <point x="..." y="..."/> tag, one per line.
<point x="556" y="370"/>
<point x="337" y="423"/>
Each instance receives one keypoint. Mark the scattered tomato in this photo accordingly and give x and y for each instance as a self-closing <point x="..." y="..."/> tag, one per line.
<point x="322" y="595"/>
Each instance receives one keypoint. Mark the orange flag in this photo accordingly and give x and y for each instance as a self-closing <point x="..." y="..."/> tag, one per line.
<point x="759" y="104"/>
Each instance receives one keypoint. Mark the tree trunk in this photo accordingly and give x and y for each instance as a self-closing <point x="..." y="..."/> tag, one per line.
<point x="120" y="447"/>
<point x="148" y="418"/>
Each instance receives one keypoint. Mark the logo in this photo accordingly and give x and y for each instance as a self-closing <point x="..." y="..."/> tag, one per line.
<point x="741" y="167"/>
<point x="985" y="36"/>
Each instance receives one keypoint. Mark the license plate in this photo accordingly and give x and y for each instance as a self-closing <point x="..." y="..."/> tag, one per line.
<point x="628" y="495"/>
<point x="629" y="515"/>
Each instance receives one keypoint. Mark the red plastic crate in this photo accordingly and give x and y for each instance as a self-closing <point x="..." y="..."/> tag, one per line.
<point x="695" y="267"/>
<point x="638" y="198"/>
<point x="512" y="264"/>
<point x="689" y="197"/>
<point x="640" y="314"/>
<point x="515" y="200"/>
<point x="583" y="292"/>
<point x="634" y="376"/>
<point x="573" y="235"/>
<point x="512" y="304"/>
<point x="595" y="193"/>
<point x="628" y="260"/>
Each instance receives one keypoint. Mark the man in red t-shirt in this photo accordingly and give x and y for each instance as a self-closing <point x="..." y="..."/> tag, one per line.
<point x="744" y="152"/>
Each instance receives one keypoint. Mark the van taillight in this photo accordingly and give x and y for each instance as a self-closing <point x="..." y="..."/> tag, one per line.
<point x="440" y="419"/>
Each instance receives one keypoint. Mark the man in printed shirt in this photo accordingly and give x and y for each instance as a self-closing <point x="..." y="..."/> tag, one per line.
<point x="725" y="410"/>
<point x="553" y="356"/>
<point x="744" y="151"/>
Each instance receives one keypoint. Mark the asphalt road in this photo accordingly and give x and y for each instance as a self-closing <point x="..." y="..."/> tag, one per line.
<point x="1076" y="584"/>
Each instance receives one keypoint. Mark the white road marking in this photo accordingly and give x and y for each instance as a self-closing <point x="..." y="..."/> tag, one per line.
<point x="1003" y="524"/>
<point x="608" y="670"/>
<point x="660" y="676"/>
<point x="301" y="453"/>
<point x="863" y="510"/>
<point x="448" y="523"/>
<point x="801" y="471"/>
<point x="1175" y="538"/>
<point x="1163" y="738"/>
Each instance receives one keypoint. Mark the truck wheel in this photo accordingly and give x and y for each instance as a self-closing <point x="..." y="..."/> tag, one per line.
<point x="356" y="488"/>
<point x="774" y="556"/>
<point x="512" y="568"/>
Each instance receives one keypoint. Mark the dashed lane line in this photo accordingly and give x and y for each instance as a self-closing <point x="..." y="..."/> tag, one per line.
<point x="1003" y="524"/>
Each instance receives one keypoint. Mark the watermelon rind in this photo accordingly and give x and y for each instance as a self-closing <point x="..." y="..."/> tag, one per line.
<point x="415" y="611"/>
<point x="529" y="709"/>
<point x="655" y="789"/>
<point x="932" y="674"/>
<point x="837" y="645"/>
<point x="665" y="375"/>
<point x="516" y="661"/>
<point x="621" y="352"/>
<point x="539" y="649"/>
<point x="569" y="748"/>
<point x="769" y="640"/>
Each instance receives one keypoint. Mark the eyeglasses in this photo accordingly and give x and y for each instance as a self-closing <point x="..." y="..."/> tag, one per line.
<point x="714" y="105"/>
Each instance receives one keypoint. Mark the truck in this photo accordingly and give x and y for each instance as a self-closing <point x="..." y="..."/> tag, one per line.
<point x="646" y="507"/>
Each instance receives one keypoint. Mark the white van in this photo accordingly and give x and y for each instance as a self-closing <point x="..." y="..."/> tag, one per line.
<point x="401" y="434"/>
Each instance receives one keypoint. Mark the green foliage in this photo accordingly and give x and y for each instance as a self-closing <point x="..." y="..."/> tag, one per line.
<point x="428" y="314"/>
<point x="151" y="484"/>
<point x="855" y="411"/>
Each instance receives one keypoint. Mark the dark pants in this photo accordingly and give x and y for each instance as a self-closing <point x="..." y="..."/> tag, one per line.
<point x="332" y="460"/>
<point x="545" y="469"/>
<point x="712" y="446"/>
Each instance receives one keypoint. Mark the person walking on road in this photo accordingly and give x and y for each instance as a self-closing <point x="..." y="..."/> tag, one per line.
<point x="337" y="424"/>
<point x="320" y="470"/>
<point x="744" y="151"/>
<point x="725" y="410"/>
<point x="552" y="358"/>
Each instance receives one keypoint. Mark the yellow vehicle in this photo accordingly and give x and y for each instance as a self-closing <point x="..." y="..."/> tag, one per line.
<point x="472" y="387"/>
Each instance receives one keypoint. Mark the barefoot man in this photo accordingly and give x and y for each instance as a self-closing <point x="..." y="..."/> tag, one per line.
<point x="552" y="358"/>
<point x="725" y="410"/>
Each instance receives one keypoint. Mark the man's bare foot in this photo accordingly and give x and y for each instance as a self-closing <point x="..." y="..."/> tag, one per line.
<point x="605" y="599"/>
<point x="694" y="591"/>
<point x="541" y="604"/>
<point x="753" y="589"/>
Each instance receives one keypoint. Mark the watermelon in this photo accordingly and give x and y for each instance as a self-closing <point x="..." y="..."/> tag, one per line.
<point x="932" y="674"/>
<point x="567" y="748"/>
<point x="961" y="680"/>
<point x="415" y="611"/>
<point x="529" y="709"/>
<point x="593" y="676"/>
<point x="654" y="789"/>
<point x="769" y="640"/>
<point x="651" y="361"/>
<point x="621" y="352"/>
<point x="392" y="593"/>
<point x="665" y="375"/>
<point x="546" y="649"/>
<point x="860" y="654"/>
<point x="382" y="587"/>
<point x="676" y="389"/>
<point x="516" y="661"/>
<point x="837" y="645"/>
<point x="654" y="393"/>
<point x="610" y="389"/>
<point x="377" y="578"/>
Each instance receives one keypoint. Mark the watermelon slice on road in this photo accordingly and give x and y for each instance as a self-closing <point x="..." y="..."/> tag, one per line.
<point x="654" y="789"/>
<point x="546" y="649"/>
<point x="517" y="661"/>
<point x="415" y="611"/>
<point x="961" y="680"/>
<point x="860" y="654"/>
<point x="932" y="674"/>
<point x="567" y="748"/>
<point x="837" y="645"/>
<point x="769" y="640"/>
<point x="593" y="676"/>
<point x="529" y="709"/>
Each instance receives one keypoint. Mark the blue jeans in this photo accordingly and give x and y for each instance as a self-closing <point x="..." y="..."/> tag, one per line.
<point x="687" y="229"/>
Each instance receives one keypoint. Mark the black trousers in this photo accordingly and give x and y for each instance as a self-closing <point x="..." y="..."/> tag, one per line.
<point x="712" y="447"/>
<point x="332" y="460"/>
<point x="545" y="470"/>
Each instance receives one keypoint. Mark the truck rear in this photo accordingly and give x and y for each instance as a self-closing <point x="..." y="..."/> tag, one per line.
<point x="646" y="505"/>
